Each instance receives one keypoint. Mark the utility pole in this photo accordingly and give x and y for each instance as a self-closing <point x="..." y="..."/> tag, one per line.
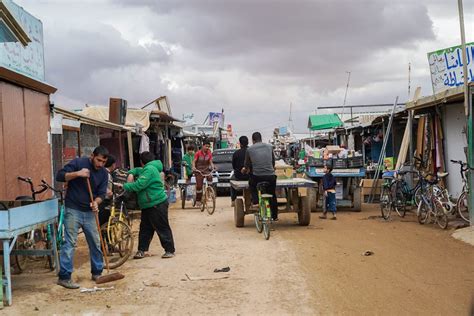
<point x="409" y="80"/>
<point x="469" y="117"/>
<point x="290" y="119"/>
<point x="345" y="95"/>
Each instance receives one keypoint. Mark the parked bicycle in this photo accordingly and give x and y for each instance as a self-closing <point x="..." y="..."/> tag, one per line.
<point x="263" y="216"/>
<point x="431" y="208"/>
<point x="36" y="239"/>
<point x="208" y="200"/>
<point x="117" y="231"/>
<point x="61" y="212"/>
<point x="462" y="204"/>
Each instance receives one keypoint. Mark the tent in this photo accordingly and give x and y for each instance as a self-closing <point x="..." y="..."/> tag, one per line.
<point x="324" y="121"/>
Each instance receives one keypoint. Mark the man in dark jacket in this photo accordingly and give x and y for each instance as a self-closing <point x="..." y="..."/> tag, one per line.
<point x="260" y="162"/>
<point x="238" y="162"/>
<point x="153" y="202"/>
<point x="79" y="212"/>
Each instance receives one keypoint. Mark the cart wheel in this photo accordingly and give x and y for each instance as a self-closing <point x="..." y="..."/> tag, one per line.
<point x="312" y="196"/>
<point x="304" y="212"/>
<point x="183" y="198"/>
<point x="239" y="215"/>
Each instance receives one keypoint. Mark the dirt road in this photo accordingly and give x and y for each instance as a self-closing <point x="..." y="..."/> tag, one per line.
<point x="317" y="269"/>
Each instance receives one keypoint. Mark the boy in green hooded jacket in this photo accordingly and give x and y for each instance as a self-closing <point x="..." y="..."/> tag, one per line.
<point x="153" y="202"/>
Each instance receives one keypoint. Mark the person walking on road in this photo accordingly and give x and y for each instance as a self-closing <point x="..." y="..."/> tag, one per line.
<point x="79" y="212"/>
<point x="260" y="162"/>
<point x="238" y="162"/>
<point x="202" y="165"/>
<point x="153" y="203"/>
<point x="329" y="187"/>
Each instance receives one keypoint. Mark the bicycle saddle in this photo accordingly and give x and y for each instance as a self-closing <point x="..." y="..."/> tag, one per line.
<point x="261" y="186"/>
<point x="443" y="174"/>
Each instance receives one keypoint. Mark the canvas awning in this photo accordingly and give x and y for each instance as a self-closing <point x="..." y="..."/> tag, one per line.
<point x="324" y="121"/>
<point x="133" y="117"/>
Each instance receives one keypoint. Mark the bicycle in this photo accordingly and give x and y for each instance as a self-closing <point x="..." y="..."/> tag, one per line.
<point x="263" y="216"/>
<point x="208" y="199"/>
<point x="34" y="239"/>
<point x="462" y="204"/>
<point x="431" y="207"/>
<point x="386" y="196"/>
<point x="117" y="232"/>
<point x="61" y="212"/>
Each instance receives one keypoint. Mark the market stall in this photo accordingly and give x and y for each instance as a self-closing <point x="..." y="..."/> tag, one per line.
<point x="348" y="168"/>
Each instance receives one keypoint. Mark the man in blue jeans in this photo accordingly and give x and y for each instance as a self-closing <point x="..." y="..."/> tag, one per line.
<point x="80" y="210"/>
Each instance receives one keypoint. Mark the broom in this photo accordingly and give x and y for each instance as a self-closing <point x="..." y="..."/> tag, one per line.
<point x="109" y="277"/>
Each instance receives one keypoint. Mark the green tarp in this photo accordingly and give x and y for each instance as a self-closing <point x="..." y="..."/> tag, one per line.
<point x="324" y="121"/>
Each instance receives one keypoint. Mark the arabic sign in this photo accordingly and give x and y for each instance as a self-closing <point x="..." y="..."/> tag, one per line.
<point x="446" y="67"/>
<point x="27" y="60"/>
<point x="188" y="119"/>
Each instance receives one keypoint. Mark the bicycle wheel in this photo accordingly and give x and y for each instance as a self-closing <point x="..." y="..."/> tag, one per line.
<point x="19" y="261"/>
<point x="266" y="228"/>
<point x="210" y="200"/>
<point x="398" y="198"/>
<point x="119" y="242"/>
<point x="385" y="202"/>
<point x="441" y="213"/>
<point x="461" y="206"/>
<point x="423" y="211"/>
<point x="417" y="196"/>
<point x="183" y="198"/>
<point x="258" y="221"/>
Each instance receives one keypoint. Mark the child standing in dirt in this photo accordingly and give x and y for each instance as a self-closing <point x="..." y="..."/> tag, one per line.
<point x="329" y="187"/>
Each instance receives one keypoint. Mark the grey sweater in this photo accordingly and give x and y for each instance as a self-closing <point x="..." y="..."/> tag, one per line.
<point x="259" y="159"/>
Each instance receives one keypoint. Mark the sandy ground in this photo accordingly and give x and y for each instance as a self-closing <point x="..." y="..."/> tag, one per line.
<point x="318" y="269"/>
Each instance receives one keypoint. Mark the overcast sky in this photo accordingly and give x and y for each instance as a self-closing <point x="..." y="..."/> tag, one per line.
<point x="251" y="57"/>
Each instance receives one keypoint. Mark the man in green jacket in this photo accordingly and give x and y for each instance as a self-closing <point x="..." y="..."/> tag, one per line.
<point x="153" y="202"/>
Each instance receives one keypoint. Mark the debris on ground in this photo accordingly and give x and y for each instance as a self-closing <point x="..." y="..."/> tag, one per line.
<point x="96" y="289"/>
<point x="368" y="253"/>
<point x="192" y="278"/>
<point x="226" y="269"/>
<point x="152" y="284"/>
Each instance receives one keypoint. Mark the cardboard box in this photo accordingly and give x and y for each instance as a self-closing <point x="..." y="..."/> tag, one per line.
<point x="333" y="149"/>
<point x="284" y="173"/>
<point x="366" y="185"/>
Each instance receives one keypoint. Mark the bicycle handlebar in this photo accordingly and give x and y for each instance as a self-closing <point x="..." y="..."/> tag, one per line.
<point x="27" y="180"/>
<point x="204" y="175"/>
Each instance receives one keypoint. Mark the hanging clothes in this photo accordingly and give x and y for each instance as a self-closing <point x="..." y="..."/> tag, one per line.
<point x="144" y="143"/>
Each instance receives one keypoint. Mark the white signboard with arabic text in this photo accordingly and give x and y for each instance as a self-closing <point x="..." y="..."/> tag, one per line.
<point x="446" y="67"/>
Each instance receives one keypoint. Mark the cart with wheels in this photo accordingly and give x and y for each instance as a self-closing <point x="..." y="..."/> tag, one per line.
<point x="19" y="217"/>
<point x="183" y="187"/>
<point x="294" y="202"/>
<point x="348" y="178"/>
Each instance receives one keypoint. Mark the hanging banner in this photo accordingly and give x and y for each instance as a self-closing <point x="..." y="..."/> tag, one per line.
<point x="216" y="117"/>
<point x="446" y="67"/>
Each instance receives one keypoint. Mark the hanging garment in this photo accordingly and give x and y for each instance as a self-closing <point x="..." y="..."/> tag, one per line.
<point x="144" y="144"/>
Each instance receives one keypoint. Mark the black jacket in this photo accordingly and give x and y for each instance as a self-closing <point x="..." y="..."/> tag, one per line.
<point x="238" y="159"/>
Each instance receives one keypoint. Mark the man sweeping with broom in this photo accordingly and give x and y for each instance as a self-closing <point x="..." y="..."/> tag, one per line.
<point x="81" y="211"/>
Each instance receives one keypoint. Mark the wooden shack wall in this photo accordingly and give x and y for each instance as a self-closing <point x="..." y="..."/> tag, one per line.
<point x="24" y="147"/>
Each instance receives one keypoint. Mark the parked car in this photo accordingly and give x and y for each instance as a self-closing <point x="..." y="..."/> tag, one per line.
<point x="222" y="159"/>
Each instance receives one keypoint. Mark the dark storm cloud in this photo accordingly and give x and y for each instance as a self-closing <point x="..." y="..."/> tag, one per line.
<point x="74" y="58"/>
<point x="290" y="38"/>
